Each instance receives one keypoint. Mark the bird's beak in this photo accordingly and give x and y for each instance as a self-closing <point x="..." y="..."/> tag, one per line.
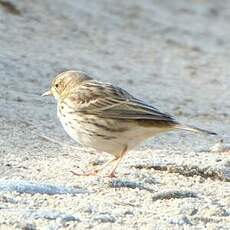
<point x="47" y="93"/>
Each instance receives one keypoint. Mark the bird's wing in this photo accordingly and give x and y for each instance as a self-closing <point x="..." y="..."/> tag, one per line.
<point x="106" y="101"/>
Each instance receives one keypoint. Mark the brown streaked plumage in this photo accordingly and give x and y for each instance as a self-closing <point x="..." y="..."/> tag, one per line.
<point x="106" y="117"/>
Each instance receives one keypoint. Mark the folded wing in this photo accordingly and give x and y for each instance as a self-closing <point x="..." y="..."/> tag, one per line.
<point x="107" y="101"/>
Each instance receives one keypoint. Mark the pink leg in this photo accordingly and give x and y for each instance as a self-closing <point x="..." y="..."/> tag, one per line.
<point x="118" y="160"/>
<point x="94" y="171"/>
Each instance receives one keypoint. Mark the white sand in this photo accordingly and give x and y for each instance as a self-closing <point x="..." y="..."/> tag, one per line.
<point x="174" y="54"/>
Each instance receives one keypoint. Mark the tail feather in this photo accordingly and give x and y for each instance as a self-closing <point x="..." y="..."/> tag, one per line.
<point x="194" y="129"/>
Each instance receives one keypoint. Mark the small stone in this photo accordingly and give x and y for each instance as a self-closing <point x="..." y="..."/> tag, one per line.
<point x="211" y="211"/>
<point x="181" y="220"/>
<point x="105" y="218"/>
<point x="129" y="213"/>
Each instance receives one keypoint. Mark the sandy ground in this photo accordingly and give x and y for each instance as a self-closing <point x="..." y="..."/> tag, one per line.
<point x="174" y="54"/>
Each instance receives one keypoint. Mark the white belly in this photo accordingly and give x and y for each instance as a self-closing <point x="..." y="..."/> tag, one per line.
<point x="103" y="140"/>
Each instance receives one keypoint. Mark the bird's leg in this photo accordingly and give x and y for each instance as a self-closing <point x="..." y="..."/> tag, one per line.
<point x="95" y="170"/>
<point x="118" y="160"/>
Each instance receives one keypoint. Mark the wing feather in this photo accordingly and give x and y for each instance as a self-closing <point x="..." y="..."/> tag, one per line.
<point x="106" y="101"/>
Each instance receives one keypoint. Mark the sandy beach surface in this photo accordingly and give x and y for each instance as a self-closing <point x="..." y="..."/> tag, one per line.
<point x="173" y="54"/>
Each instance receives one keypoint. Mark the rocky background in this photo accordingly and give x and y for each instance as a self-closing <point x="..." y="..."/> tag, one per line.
<point x="173" y="54"/>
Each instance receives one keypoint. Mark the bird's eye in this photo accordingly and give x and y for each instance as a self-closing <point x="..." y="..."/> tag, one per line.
<point x="56" y="85"/>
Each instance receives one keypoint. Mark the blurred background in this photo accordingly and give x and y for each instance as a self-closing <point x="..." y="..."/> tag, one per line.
<point x="173" y="54"/>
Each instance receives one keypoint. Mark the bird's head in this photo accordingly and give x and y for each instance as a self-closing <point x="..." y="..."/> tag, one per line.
<point x="64" y="84"/>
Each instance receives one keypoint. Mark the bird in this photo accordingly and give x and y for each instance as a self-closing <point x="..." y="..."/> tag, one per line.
<point x="107" y="118"/>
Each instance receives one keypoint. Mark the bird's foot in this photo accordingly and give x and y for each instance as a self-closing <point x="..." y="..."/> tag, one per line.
<point x="89" y="173"/>
<point x="112" y="175"/>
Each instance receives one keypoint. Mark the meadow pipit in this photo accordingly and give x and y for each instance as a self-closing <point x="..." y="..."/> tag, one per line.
<point x="106" y="117"/>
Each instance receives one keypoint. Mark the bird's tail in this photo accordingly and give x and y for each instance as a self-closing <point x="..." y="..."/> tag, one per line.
<point x="194" y="129"/>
